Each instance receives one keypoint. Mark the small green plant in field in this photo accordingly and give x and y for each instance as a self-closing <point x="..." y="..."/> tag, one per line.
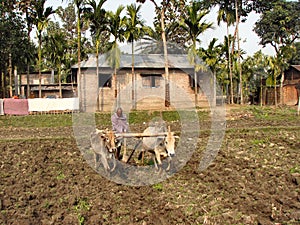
<point x="158" y="187"/>
<point x="47" y="204"/>
<point x="81" y="206"/>
<point x="258" y="142"/>
<point x="260" y="113"/>
<point x="60" y="175"/>
<point x="295" y="169"/>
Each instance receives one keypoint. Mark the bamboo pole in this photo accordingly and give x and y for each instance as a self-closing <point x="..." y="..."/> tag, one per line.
<point x="130" y="135"/>
<point x="298" y="109"/>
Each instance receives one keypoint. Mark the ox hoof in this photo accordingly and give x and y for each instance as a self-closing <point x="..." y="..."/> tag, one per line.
<point x="125" y="158"/>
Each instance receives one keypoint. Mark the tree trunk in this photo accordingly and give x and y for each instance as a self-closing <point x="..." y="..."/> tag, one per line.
<point x="239" y="53"/>
<point x="17" y="85"/>
<point x="10" y="75"/>
<point x="230" y="68"/>
<point x="281" y="88"/>
<point x="40" y="65"/>
<point x="27" y="58"/>
<point x="97" y="75"/>
<point x="261" y="91"/>
<point x="132" y="77"/>
<point x="3" y="84"/>
<point x="214" y="95"/>
<point x="59" y="81"/>
<point x="196" y="86"/>
<point x="167" y="80"/>
<point x="79" y="91"/>
<point x="275" y="92"/>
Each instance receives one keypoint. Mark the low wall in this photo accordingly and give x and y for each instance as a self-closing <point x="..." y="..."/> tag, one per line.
<point x="26" y="106"/>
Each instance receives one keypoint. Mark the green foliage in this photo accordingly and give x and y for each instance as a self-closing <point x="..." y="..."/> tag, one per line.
<point x="80" y="207"/>
<point x="295" y="169"/>
<point x="279" y="26"/>
<point x="14" y="41"/>
<point x="158" y="186"/>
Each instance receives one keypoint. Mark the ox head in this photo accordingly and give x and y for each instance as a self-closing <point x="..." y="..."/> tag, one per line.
<point x="169" y="142"/>
<point x="109" y="139"/>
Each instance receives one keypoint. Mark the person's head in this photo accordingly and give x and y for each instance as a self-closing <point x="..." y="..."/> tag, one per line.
<point x="119" y="111"/>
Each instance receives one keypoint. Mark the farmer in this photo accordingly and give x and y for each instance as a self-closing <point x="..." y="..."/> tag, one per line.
<point x="119" y="125"/>
<point x="298" y="91"/>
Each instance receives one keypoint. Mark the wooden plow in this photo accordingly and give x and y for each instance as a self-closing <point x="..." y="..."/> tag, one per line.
<point x="137" y="135"/>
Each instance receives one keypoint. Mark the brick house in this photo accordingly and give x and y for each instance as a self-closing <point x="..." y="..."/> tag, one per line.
<point x="290" y="95"/>
<point x="145" y="90"/>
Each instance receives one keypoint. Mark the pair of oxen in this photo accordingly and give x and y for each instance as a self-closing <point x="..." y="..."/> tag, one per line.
<point x="157" y="140"/>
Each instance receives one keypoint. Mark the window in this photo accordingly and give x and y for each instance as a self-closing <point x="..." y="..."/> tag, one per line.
<point x="105" y="80"/>
<point x="151" y="81"/>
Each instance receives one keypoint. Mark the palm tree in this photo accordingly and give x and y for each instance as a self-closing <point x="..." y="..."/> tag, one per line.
<point x="116" y="27"/>
<point x="56" y="45"/>
<point x="79" y="11"/>
<point x="40" y="20"/>
<point x="211" y="57"/>
<point x="194" y="26"/>
<point x="161" y="13"/>
<point x="135" y="29"/>
<point x="227" y="15"/>
<point x="79" y="4"/>
<point x="98" y="21"/>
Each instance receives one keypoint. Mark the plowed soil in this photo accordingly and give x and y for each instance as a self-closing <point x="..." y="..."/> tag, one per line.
<point x="255" y="179"/>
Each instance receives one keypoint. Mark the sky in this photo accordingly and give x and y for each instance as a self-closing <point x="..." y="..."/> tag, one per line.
<point x="249" y="39"/>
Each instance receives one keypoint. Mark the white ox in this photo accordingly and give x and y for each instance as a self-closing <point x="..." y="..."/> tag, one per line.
<point x="103" y="143"/>
<point x="161" y="146"/>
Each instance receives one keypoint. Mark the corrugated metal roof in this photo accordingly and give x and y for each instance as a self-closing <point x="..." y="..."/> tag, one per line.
<point x="140" y="61"/>
<point x="297" y="67"/>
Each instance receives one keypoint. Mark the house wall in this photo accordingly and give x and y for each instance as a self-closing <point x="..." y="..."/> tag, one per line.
<point x="34" y="79"/>
<point x="290" y="95"/>
<point x="147" y="98"/>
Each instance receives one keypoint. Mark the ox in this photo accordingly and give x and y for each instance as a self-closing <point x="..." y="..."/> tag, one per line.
<point x="161" y="146"/>
<point x="104" y="146"/>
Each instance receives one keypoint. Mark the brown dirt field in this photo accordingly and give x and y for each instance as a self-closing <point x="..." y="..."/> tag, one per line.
<point x="255" y="179"/>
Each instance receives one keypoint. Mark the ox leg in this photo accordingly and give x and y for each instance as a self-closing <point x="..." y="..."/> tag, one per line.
<point x="104" y="162"/>
<point x="169" y="163"/>
<point x="124" y="157"/>
<point x="154" y="160"/>
<point x="114" y="162"/>
<point x="95" y="159"/>
<point x="157" y="157"/>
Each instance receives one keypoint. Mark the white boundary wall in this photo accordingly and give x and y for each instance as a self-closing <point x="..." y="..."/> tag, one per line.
<point x="48" y="104"/>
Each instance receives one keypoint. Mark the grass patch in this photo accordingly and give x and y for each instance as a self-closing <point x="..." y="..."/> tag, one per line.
<point x="34" y="121"/>
<point x="140" y="117"/>
<point x="271" y="113"/>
